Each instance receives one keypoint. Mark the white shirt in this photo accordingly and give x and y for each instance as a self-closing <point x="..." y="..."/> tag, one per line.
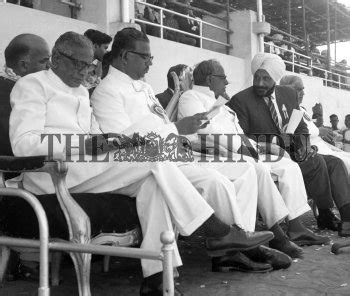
<point x="201" y="99"/>
<point x="43" y="104"/>
<point x="124" y="105"/>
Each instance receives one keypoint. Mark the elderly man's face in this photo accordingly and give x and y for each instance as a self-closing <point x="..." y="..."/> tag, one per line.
<point x="73" y="68"/>
<point x="262" y="82"/>
<point x="39" y="58"/>
<point x="217" y="81"/>
<point x="299" y="87"/>
<point x="138" y="60"/>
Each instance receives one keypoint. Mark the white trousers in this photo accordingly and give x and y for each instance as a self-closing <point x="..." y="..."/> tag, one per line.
<point x="168" y="194"/>
<point x="291" y="199"/>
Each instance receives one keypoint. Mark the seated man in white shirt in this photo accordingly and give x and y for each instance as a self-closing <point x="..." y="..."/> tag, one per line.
<point x="123" y="103"/>
<point x="210" y="83"/>
<point x="317" y="134"/>
<point x="54" y="102"/>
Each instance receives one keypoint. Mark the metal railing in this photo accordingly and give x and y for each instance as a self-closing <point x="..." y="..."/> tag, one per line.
<point x="197" y="20"/>
<point x="302" y="63"/>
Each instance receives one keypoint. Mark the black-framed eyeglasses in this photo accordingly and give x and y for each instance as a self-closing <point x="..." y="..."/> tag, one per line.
<point x="78" y="64"/>
<point x="221" y="76"/>
<point x="147" y="57"/>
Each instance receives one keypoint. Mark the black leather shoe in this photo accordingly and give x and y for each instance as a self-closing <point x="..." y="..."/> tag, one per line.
<point x="328" y="221"/>
<point x="343" y="232"/>
<point x="236" y="240"/>
<point x="277" y="259"/>
<point x="145" y="290"/>
<point x="238" y="262"/>
<point x="286" y="246"/>
<point x="308" y="238"/>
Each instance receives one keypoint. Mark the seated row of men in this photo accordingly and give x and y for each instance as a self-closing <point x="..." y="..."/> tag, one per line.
<point x="220" y="199"/>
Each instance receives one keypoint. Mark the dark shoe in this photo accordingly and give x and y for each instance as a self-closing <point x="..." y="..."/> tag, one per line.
<point x="146" y="290"/>
<point x="238" y="262"/>
<point x="328" y="221"/>
<point x="343" y="232"/>
<point x="277" y="259"/>
<point x="286" y="246"/>
<point x="308" y="238"/>
<point x="236" y="240"/>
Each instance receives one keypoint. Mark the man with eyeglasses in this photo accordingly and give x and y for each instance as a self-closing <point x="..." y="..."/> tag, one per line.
<point x="209" y="84"/>
<point x="123" y="103"/>
<point x="54" y="102"/>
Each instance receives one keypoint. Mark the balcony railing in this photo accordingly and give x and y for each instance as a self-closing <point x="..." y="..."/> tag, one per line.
<point x="163" y="27"/>
<point x="297" y="62"/>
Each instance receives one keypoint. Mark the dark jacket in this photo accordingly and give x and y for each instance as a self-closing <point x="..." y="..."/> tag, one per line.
<point x="165" y="97"/>
<point x="255" y="117"/>
<point x="6" y="86"/>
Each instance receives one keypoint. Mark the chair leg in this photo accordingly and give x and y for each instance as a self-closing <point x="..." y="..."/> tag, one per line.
<point x="5" y="256"/>
<point x="55" y="268"/>
<point x="106" y="260"/>
<point x="82" y="265"/>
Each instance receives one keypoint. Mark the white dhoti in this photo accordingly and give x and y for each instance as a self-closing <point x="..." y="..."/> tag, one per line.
<point x="165" y="197"/>
<point x="274" y="205"/>
<point x="244" y="178"/>
<point x="291" y="186"/>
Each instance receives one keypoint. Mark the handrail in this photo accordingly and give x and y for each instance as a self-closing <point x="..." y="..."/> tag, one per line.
<point x="301" y="63"/>
<point x="42" y="244"/>
<point x="201" y="22"/>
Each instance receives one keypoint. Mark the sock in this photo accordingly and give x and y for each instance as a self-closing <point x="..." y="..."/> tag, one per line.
<point x="344" y="212"/>
<point x="324" y="212"/>
<point x="345" y="226"/>
<point x="214" y="227"/>
<point x="295" y="225"/>
<point x="278" y="233"/>
<point x="154" y="281"/>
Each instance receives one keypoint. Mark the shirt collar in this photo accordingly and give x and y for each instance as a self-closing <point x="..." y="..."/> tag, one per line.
<point x="138" y="85"/>
<point x="9" y="74"/>
<point x="204" y="90"/>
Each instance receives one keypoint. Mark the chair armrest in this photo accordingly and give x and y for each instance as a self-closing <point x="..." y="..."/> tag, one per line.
<point x="20" y="164"/>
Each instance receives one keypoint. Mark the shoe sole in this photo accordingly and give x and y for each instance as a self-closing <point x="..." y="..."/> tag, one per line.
<point x="227" y="269"/>
<point x="223" y="252"/>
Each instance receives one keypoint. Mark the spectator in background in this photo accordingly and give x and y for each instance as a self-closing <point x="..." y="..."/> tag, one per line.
<point x="185" y="79"/>
<point x="170" y="21"/>
<point x="346" y="134"/>
<point x="334" y="120"/>
<point x="185" y="24"/>
<point x="152" y="15"/>
<point x="338" y="138"/>
<point x="100" y="43"/>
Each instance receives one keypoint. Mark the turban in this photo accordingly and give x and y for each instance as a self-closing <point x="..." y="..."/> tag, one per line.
<point x="269" y="62"/>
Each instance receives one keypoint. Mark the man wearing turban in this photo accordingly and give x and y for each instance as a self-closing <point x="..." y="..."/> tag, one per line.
<point x="265" y="108"/>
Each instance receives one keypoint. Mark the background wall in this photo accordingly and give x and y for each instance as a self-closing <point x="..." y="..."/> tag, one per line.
<point x="168" y="53"/>
<point x="18" y="20"/>
<point x="333" y="100"/>
<point x="15" y="20"/>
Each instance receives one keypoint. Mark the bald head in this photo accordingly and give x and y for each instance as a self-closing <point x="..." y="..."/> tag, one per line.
<point x="27" y="53"/>
<point x="210" y="73"/>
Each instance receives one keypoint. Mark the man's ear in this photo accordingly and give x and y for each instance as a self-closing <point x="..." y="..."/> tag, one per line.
<point x="23" y="66"/>
<point x="124" y="56"/>
<point x="208" y="80"/>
